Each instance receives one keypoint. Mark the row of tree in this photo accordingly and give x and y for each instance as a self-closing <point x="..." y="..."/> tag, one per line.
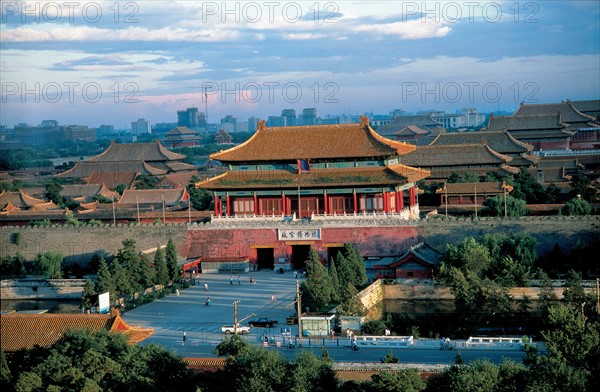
<point x="103" y="361"/>
<point x="130" y="272"/>
<point x="48" y="264"/>
<point x="339" y="285"/>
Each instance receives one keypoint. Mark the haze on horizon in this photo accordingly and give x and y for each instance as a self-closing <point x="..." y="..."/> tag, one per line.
<point x="108" y="62"/>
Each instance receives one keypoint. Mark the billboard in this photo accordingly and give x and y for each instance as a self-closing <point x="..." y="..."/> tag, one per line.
<point x="104" y="303"/>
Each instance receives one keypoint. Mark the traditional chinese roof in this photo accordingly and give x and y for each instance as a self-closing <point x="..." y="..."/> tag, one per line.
<point x="469" y="188"/>
<point x="317" y="142"/>
<point x="317" y="178"/>
<point x="422" y="252"/>
<point x="181" y="131"/>
<point x="148" y="152"/>
<point x="547" y="121"/>
<point x="18" y="200"/>
<point x="401" y="122"/>
<point x="590" y="107"/>
<point x="173" y="180"/>
<point x="112" y="179"/>
<point x="25" y="331"/>
<point x="86" y="192"/>
<point x="454" y="155"/>
<point x="568" y="113"/>
<point x="153" y="196"/>
<point x="412" y="130"/>
<point x="499" y="141"/>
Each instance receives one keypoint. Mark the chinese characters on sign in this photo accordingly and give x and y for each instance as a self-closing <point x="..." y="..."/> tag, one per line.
<point x="298" y="234"/>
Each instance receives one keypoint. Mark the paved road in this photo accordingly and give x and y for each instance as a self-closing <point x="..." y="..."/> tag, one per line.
<point x="172" y="315"/>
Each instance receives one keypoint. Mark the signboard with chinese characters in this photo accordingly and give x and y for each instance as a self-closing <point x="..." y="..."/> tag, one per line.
<point x="298" y="234"/>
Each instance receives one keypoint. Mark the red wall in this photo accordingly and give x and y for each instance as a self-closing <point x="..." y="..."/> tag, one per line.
<point x="233" y="243"/>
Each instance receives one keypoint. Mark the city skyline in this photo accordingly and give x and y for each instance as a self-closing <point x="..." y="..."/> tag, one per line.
<point x="112" y="63"/>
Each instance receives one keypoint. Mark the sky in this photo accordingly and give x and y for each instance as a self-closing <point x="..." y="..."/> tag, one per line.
<point x="112" y="62"/>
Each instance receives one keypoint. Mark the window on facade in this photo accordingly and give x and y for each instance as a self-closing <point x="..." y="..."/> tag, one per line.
<point x="339" y="204"/>
<point x="303" y="166"/>
<point x="271" y="206"/>
<point x="371" y="203"/>
<point x="309" y="204"/>
<point x="243" y="206"/>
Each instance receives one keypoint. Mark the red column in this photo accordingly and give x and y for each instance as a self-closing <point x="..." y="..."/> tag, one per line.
<point x="355" y="205"/>
<point x="227" y="205"/>
<point x="283" y="203"/>
<point x="325" y="203"/>
<point x="216" y="205"/>
<point x="255" y="204"/>
<point x="412" y="196"/>
<point x="385" y="201"/>
<point x="400" y="200"/>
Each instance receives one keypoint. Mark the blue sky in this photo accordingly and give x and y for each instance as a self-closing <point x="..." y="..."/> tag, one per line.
<point x="108" y="62"/>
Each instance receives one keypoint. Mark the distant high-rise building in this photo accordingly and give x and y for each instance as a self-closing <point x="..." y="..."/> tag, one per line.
<point x="309" y="116"/>
<point x="252" y="124"/>
<point x="229" y="123"/>
<point x="140" y="126"/>
<point x="275" y="121"/>
<point x="105" y="130"/>
<point x="191" y="118"/>
<point x="290" y="117"/>
<point x="49" y="124"/>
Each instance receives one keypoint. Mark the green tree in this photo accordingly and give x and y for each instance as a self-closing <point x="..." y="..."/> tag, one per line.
<point x="356" y="263"/>
<point x="201" y="199"/>
<point x="171" y="259"/>
<point x="316" y="289"/>
<point x="49" y="264"/>
<point x="145" y="181"/>
<point x="120" y="188"/>
<point x="351" y="305"/>
<point x="104" y="282"/>
<point x="406" y="380"/>
<point x="344" y="272"/>
<point x="577" y="207"/>
<point x="232" y="346"/>
<point x="311" y="373"/>
<point x="477" y="376"/>
<point x="85" y="361"/>
<point x="582" y="187"/>
<point x="494" y="206"/>
<point x="390" y="358"/>
<point x="121" y="281"/>
<point x="5" y="373"/>
<point x="547" y="296"/>
<point x="335" y="282"/>
<point x="468" y="256"/>
<point x="573" y="292"/>
<point x="88" y="299"/>
<point x="160" y="265"/>
<point x="146" y="272"/>
<point x="52" y="192"/>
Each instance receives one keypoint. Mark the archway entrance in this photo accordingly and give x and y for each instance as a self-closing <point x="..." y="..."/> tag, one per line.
<point x="299" y="256"/>
<point x="265" y="258"/>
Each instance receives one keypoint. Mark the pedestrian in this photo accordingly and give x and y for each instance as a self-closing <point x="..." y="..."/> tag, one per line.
<point x="273" y="298"/>
<point x="205" y="286"/>
<point x="230" y="279"/>
<point x="184" y="337"/>
<point x="348" y="333"/>
<point x="447" y="344"/>
<point x="295" y="274"/>
<point x="387" y="332"/>
<point x="177" y="292"/>
<point x="207" y="301"/>
<point x="354" y="345"/>
<point x="239" y="280"/>
<point x="332" y="334"/>
<point x="442" y="341"/>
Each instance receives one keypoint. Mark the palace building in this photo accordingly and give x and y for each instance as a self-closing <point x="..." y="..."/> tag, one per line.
<point x="309" y="171"/>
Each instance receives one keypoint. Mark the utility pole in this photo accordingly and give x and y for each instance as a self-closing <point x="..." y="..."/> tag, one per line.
<point x="235" y="316"/>
<point x="299" y="309"/>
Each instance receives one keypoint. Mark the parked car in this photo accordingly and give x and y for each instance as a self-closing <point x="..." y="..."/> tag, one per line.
<point x="229" y="329"/>
<point x="262" y="322"/>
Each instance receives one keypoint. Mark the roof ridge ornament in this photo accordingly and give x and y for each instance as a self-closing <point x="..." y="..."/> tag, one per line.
<point x="364" y="120"/>
<point x="262" y="125"/>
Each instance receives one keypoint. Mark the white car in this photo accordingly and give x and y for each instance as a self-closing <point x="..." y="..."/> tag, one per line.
<point x="229" y="329"/>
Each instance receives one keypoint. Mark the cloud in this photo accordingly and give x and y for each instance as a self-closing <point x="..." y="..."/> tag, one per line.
<point x="302" y="36"/>
<point x="410" y="30"/>
<point x="91" y="34"/>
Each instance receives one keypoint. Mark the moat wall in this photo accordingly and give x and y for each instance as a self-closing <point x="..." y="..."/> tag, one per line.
<point x="78" y="244"/>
